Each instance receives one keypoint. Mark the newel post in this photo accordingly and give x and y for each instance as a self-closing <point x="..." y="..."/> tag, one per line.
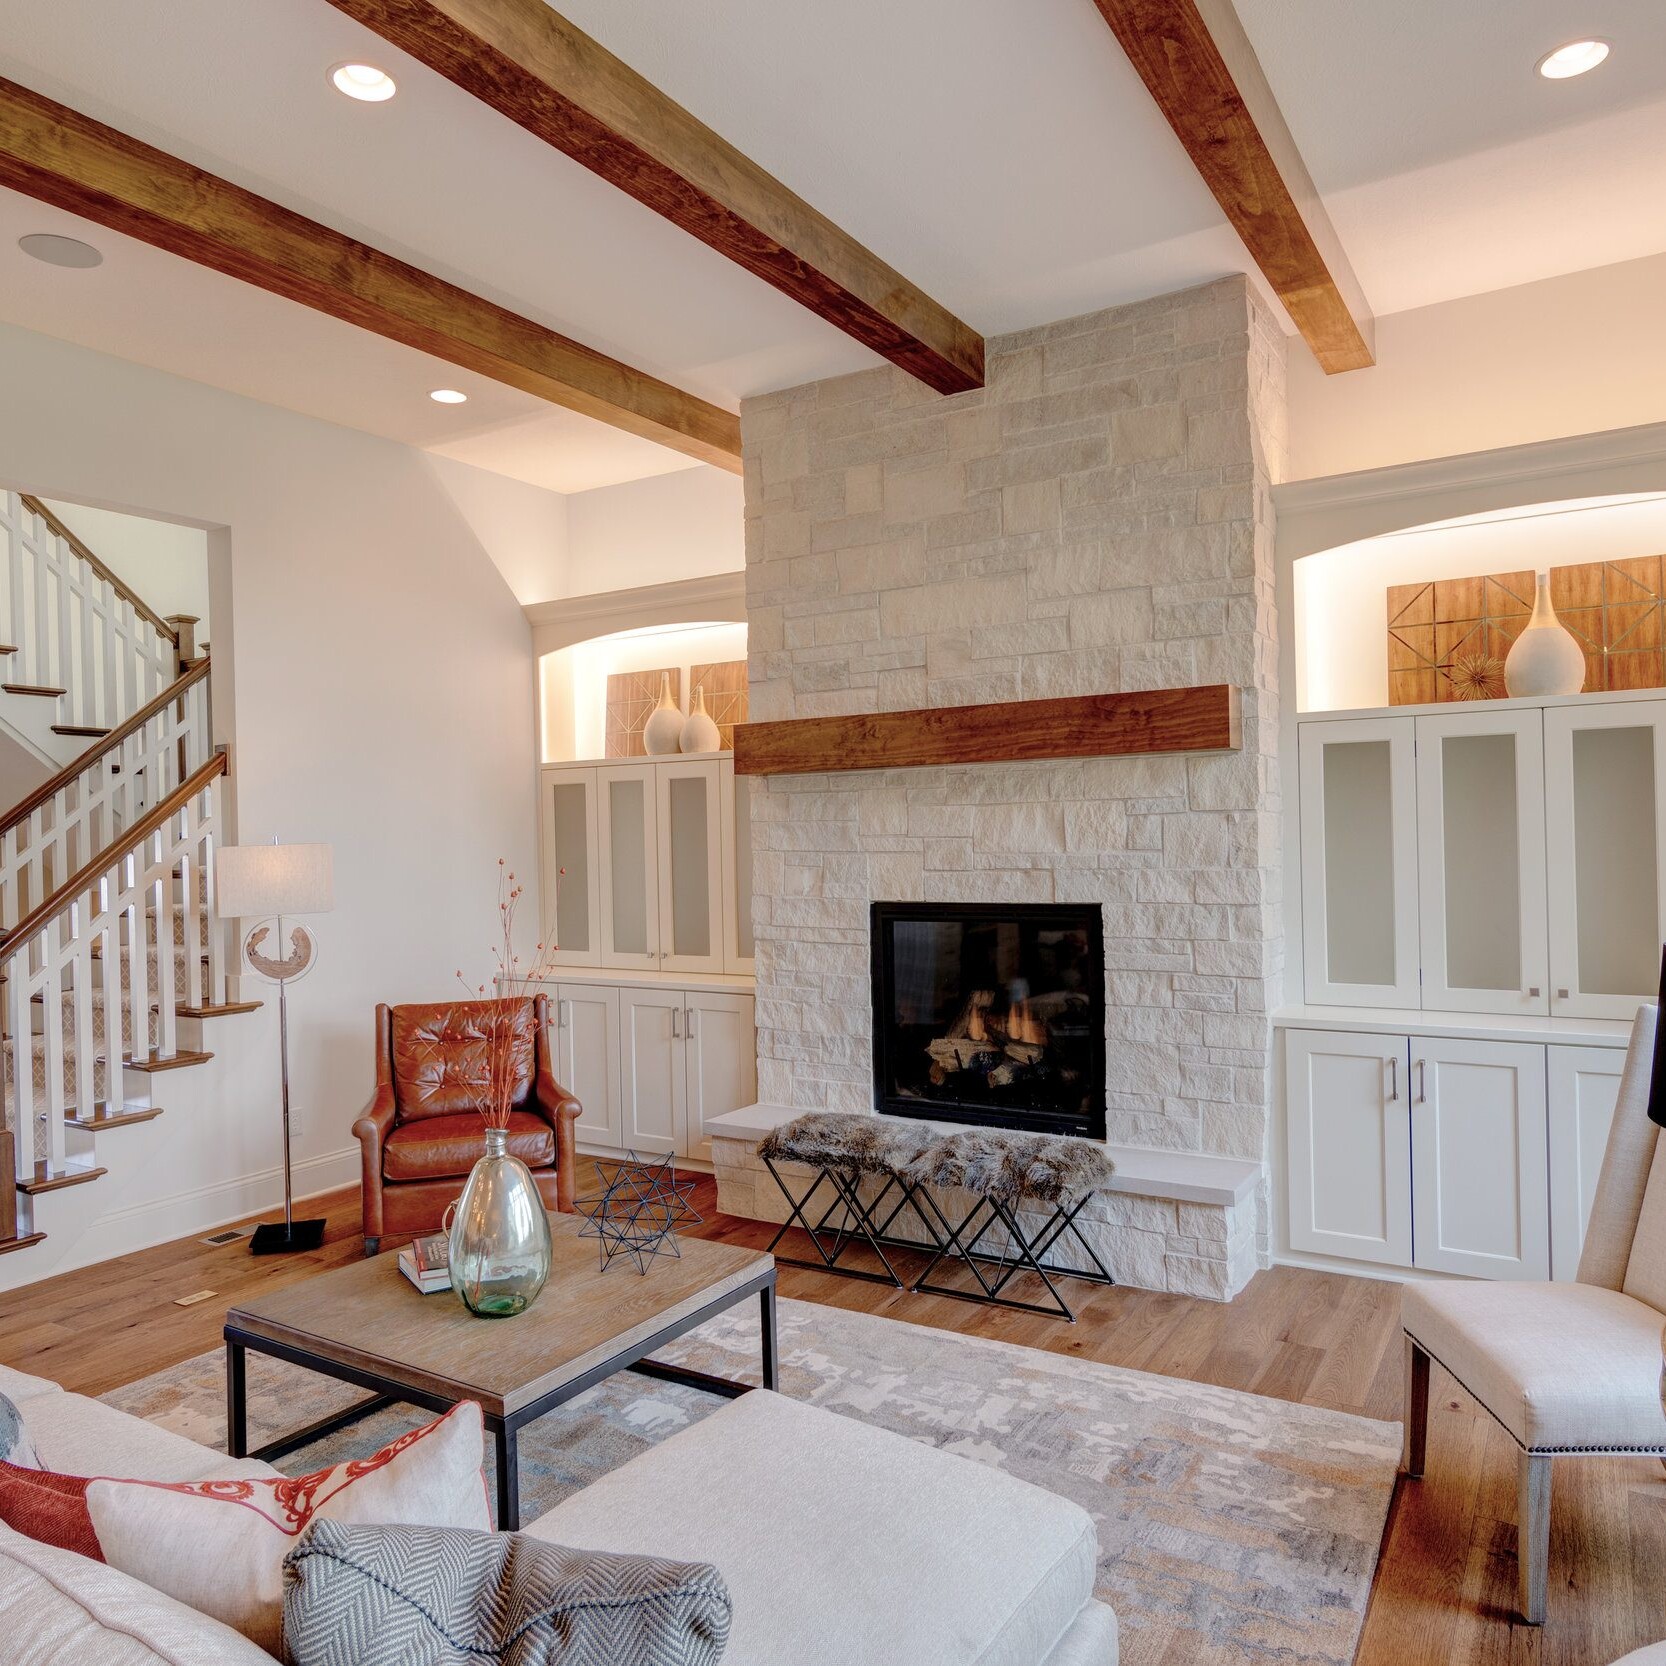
<point x="185" y="628"/>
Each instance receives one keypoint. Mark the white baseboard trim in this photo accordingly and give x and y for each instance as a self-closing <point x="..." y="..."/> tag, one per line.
<point x="82" y="1235"/>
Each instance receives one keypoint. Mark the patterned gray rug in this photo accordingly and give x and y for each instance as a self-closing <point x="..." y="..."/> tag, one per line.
<point x="1231" y="1527"/>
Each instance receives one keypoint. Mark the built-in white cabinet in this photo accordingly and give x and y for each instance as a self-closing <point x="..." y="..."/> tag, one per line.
<point x="1348" y="1130"/>
<point x="1605" y="779"/>
<point x="586" y="1054"/>
<point x="647" y="865"/>
<point x="1450" y="1154"/>
<point x="1583" y="1084"/>
<point x="1495" y="858"/>
<point x="1481" y="861"/>
<point x="1479" y="1175"/>
<point x="653" y="1063"/>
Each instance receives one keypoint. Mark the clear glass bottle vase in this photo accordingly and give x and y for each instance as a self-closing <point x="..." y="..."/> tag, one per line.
<point x="500" y="1235"/>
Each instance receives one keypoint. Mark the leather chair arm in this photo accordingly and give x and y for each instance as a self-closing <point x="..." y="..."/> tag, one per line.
<point x="371" y="1130"/>
<point x="561" y="1110"/>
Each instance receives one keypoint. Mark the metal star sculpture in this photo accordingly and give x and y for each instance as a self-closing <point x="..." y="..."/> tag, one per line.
<point x="637" y="1212"/>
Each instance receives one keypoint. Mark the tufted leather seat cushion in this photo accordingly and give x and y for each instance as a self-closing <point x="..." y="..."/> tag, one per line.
<point x="447" y="1147"/>
<point x="442" y="1061"/>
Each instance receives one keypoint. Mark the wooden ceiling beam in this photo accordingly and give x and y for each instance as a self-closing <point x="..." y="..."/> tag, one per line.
<point x="530" y="64"/>
<point x="60" y="156"/>
<point x="1199" y="65"/>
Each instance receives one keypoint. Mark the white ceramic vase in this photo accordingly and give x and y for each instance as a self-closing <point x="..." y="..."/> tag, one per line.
<point x="700" y="734"/>
<point x="1545" y="658"/>
<point x="665" y="722"/>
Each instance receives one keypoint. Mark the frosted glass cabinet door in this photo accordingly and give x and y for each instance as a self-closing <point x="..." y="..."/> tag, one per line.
<point x="630" y="872"/>
<point x="1349" y="1145"/>
<point x="1480" y="1180"/>
<point x="1359" y="861"/>
<point x="736" y="794"/>
<point x="569" y="917"/>
<point x="690" y="867"/>
<point x="1605" y="784"/>
<point x="1481" y="861"/>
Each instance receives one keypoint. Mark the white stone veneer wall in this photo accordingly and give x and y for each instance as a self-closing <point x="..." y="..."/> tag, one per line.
<point x="1098" y="517"/>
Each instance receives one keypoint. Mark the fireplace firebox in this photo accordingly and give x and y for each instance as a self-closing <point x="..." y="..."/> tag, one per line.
<point x="991" y="1013"/>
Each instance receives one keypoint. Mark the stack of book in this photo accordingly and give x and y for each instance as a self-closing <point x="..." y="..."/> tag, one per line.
<point x="426" y="1263"/>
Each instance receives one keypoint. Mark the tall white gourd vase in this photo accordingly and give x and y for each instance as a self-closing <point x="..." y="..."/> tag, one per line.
<point x="700" y="734"/>
<point x="665" y="722"/>
<point x="1545" y="658"/>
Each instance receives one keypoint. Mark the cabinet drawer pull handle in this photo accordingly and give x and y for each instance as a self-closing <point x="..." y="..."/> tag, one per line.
<point x="691" y="1017"/>
<point x="1561" y="994"/>
<point x="561" y="1014"/>
<point x="1422" y="1085"/>
<point x="1534" y="990"/>
<point x="676" y="1026"/>
<point x="1393" y="1079"/>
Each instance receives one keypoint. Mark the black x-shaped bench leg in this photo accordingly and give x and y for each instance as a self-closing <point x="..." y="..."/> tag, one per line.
<point x="857" y="1226"/>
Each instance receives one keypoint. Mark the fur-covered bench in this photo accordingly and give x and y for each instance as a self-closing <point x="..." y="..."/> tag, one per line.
<point x="882" y="1171"/>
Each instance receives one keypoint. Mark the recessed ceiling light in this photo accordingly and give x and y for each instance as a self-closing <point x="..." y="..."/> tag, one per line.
<point x="60" y="251"/>
<point x="448" y="396"/>
<point x="1573" y="59"/>
<point x="364" y="81"/>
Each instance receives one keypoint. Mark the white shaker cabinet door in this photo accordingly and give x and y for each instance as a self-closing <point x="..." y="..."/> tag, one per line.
<point x="1584" y="1084"/>
<point x="587" y="1059"/>
<point x="1479" y="1167"/>
<point x="1349" y="1145"/>
<point x="652" y="1089"/>
<point x="722" y="1063"/>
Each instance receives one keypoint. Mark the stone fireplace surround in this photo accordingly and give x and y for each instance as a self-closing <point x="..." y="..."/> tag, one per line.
<point x="1097" y="518"/>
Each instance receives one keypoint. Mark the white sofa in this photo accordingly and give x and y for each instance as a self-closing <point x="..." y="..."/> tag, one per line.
<point x="842" y="1545"/>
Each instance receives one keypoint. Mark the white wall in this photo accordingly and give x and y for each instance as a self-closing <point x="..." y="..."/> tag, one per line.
<point x="162" y="562"/>
<point x="674" y="526"/>
<point x="382" y="701"/>
<point x="1567" y="355"/>
<point x="1341" y="594"/>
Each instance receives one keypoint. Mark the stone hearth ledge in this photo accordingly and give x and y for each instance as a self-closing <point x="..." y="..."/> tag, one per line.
<point x="1177" y="1221"/>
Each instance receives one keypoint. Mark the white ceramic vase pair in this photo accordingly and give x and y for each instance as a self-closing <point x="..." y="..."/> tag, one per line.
<point x="1545" y="658"/>
<point x="667" y="730"/>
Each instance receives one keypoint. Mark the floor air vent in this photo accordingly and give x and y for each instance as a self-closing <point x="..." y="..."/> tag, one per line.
<point x="229" y="1236"/>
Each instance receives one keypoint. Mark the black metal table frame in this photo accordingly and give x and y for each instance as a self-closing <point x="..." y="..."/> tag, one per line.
<point x="859" y="1225"/>
<point x="387" y="1390"/>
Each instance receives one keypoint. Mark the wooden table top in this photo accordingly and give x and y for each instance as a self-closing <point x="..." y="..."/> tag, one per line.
<point x="371" y="1316"/>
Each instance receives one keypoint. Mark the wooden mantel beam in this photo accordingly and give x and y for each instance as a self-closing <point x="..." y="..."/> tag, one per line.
<point x="60" y="156"/>
<point x="1199" y="65"/>
<point x="532" y="65"/>
<point x="1085" y="726"/>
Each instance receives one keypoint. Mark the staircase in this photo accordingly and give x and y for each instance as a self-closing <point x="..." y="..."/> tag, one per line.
<point x="111" y="960"/>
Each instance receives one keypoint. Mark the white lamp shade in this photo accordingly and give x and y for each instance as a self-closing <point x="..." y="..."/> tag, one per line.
<point x="252" y="881"/>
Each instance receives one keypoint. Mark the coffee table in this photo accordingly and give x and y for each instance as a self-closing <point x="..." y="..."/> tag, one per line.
<point x="368" y="1325"/>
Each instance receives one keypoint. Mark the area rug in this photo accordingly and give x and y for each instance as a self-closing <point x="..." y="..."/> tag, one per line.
<point x="1232" y="1528"/>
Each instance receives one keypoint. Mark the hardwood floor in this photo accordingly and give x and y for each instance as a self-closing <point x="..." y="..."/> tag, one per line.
<point x="1445" y="1589"/>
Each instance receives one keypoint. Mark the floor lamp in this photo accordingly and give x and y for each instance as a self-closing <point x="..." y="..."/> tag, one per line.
<point x="265" y="886"/>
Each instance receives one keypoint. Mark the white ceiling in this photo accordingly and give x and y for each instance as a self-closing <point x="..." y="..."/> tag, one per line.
<point x="1001" y="153"/>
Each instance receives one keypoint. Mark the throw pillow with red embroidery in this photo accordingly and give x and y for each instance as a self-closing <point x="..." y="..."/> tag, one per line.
<point x="218" y="1546"/>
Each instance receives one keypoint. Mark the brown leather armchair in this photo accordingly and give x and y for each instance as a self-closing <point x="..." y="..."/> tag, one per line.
<point x="421" y="1133"/>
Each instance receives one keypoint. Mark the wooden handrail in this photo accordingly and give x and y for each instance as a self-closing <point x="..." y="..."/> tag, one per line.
<point x="140" y="605"/>
<point x="130" y="838"/>
<point x="83" y="761"/>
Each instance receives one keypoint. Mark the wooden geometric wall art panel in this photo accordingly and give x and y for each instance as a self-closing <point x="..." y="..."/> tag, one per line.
<point x="725" y="686"/>
<point x="631" y="698"/>
<point x="1448" y="638"/>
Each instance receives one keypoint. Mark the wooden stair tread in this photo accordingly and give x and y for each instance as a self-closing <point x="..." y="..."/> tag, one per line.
<point x="46" y="1181"/>
<point x="91" y="730"/>
<point x="175" y="1061"/>
<point x="33" y="688"/>
<point x="223" y="1010"/>
<point x="114" y="1119"/>
<point x="7" y="1245"/>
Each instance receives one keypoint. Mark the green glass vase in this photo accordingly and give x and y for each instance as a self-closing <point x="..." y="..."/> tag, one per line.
<point x="500" y="1235"/>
